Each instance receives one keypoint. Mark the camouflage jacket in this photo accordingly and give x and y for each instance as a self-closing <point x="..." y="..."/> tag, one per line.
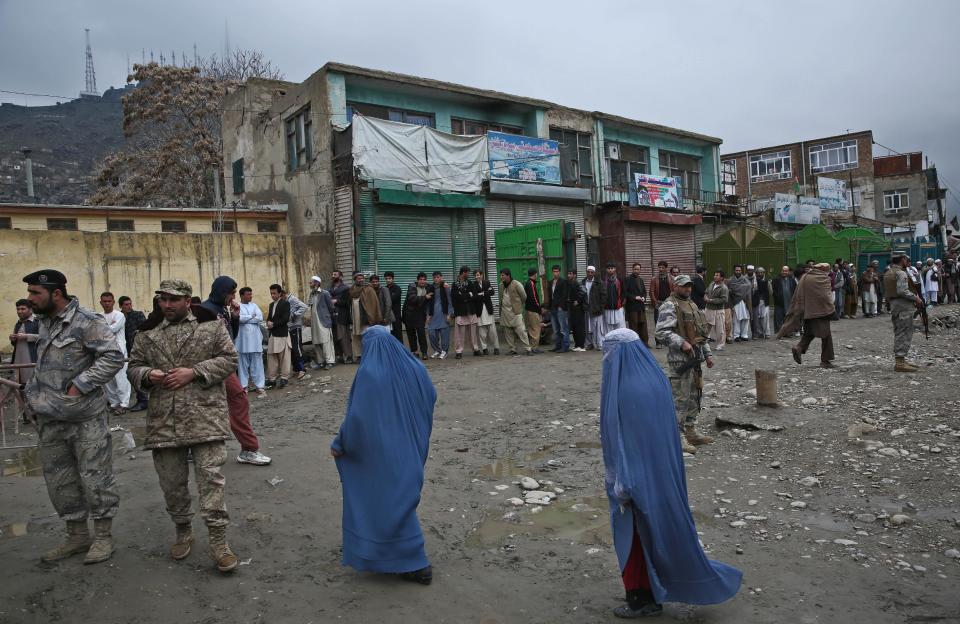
<point x="75" y="347"/>
<point x="197" y="412"/>
<point x="672" y="316"/>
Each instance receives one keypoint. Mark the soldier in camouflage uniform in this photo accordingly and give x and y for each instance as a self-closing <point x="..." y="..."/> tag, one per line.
<point x="77" y="355"/>
<point x="182" y="364"/>
<point x="682" y="327"/>
<point x="903" y="301"/>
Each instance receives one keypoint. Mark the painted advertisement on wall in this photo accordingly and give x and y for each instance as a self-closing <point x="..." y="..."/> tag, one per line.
<point x="523" y="158"/>
<point x="833" y="193"/>
<point x="654" y="191"/>
<point x="791" y="209"/>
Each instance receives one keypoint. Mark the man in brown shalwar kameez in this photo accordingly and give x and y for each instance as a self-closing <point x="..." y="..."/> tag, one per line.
<point x="812" y="308"/>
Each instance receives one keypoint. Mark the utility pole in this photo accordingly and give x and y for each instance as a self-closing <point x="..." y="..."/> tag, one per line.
<point x="28" y="166"/>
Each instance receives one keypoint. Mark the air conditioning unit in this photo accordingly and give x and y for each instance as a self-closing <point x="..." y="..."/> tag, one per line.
<point x="613" y="151"/>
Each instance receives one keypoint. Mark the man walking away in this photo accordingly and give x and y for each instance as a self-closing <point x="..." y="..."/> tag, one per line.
<point x="182" y="363"/>
<point x="439" y="315"/>
<point x="249" y="343"/>
<point x="903" y="302"/>
<point x="340" y="296"/>
<point x="322" y="325"/>
<point x="660" y="288"/>
<point x="77" y="355"/>
<point x="465" y="318"/>
<point x="26" y="333"/>
<point x="783" y="288"/>
<point x="295" y="327"/>
<point x="487" y="327"/>
<point x="595" y="295"/>
<point x="635" y="293"/>
<point x="613" y="315"/>
<point x="741" y="296"/>
<point x="513" y="299"/>
<point x="278" y="343"/>
<point x="133" y="320"/>
<point x="813" y="308"/>
<point x="559" y="311"/>
<point x="576" y="301"/>
<point x="716" y="298"/>
<point x="395" y="295"/>
<point x="118" y="390"/>
<point x="415" y="311"/>
<point x="533" y="310"/>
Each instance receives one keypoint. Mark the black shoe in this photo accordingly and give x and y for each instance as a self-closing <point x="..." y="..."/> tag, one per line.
<point x="496" y="351"/>
<point x="477" y="354"/>
<point x="536" y="351"/>
<point x="459" y="356"/>
<point x="271" y="384"/>
<point x="423" y="576"/>
<point x="349" y="360"/>
<point x="139" y="407"/>
<point x="555" y="350"/>
<point x="340" y="360"/>
<point x="424" y="357"/>
<point x="486" y="352"/>
<point x="651" y="609"/>
<point x="530" y="352"/>
<point x="282" y="383"/>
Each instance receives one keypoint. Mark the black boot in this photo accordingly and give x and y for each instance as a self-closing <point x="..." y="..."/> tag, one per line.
<point x="423" y="576"/>
<point x="640" y="603"/>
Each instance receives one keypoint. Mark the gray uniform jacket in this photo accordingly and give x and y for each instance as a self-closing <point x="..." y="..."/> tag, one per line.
<point x="75" y="347"/>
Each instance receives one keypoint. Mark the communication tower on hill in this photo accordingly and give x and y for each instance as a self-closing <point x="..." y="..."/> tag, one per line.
<point x="90" y="86"/>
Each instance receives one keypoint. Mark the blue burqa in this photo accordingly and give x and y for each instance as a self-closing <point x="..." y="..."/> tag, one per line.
<point x="384" y="439"/>
<point x="645" y="478"/>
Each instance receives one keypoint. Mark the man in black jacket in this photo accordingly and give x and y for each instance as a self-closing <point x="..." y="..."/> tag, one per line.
<point x="278" y="344"/>
<point x="559" y="308"/>
<point x="595" y="294"/>
<point x="533" y="310"/>
<point x="134" y="318"/>
<point x="465" y="295"/>
<point x="576" y="301"/>
<point x="699" y="288"/>
<point x="635" y="293"/>
<point x="415" y="310"/>
<point x="396" y="328"/>
<point x="487" y="326"/>
<point x="340" y="296"/>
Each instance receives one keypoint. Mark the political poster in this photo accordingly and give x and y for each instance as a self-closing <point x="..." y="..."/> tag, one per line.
<point x="833" y="193"/>
<point x="654" y="191"/>
<point x="791" y="209"/>
<point x="523" y="158"/>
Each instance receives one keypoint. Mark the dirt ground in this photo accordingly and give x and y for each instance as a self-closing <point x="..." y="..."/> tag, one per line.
<point x="891" y="497"/>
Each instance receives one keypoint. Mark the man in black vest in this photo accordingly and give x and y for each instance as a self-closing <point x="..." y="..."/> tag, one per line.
<point x="396" y="328"/>
<point x="576" y="303"/>
<point x="559" y="304"/>
<point x="635" y="293"/>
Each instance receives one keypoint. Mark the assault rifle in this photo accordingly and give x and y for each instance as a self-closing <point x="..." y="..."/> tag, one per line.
<point x="696" y="358"/>
<point x="922" y="311"/>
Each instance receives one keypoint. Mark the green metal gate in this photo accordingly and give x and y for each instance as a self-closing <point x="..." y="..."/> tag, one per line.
<point x="817" y="243"/>
<point x="744" y="245"/>
<point x="517" y="248"/>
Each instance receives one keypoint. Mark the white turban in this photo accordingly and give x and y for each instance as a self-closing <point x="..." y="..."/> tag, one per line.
<point x="317" y="279"/>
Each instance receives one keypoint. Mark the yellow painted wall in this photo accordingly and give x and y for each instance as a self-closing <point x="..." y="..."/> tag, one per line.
<point x="140" y="224"/>
<point x="133" y="263"/>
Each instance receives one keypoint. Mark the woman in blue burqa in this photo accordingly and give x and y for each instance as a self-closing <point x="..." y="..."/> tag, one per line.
<point x="380" y="453"/>
<point x="660" y="556"/>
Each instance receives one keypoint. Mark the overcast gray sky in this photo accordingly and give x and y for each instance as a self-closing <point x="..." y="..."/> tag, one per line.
<point x="752" y="73"/>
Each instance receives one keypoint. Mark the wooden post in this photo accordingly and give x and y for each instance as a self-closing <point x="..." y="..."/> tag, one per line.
<point x="767" y="388"/>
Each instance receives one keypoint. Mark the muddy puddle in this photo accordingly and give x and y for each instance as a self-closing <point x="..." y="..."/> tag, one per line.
<point x="584" y="520"/>
<point x="22" y="463"/>
<point x="519" y="467"/>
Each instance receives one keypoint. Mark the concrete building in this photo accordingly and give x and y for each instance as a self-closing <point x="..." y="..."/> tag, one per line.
<point x="295" y="144"/>
<point x="900" y="182"/>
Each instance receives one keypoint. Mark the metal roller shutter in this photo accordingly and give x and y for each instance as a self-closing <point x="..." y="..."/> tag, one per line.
<point x="636" y="237"/>
<point x="343" y="228"/>
<point x="367" y="239"/>
<point x="497" y="215"/>
<point x="675" y="244"/>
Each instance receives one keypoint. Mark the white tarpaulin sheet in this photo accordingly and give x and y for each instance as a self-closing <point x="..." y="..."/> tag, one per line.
<point x="411" y="154"/>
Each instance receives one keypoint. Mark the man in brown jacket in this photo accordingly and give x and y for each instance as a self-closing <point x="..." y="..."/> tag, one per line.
<point x="812" y="308"/>
<point x="182" y="364"/>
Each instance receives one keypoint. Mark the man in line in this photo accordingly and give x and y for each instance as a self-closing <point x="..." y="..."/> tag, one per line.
<point x="487" y="328"/>
<point x="903" y="303"/>
<point x="278" y="342"/>
<point x="340" y="296"/>
<point x="132" y="320"/>
<point x="868" y="290"/>
<point x="852" y="289"/>
<point x="26" y="333"/>
<point x="950" y="281"/>
<point x="635" y="293"/>
<point x="464" y="312"/>
<point x="660" y="288"/>
<point x="182" y="364"/>
<point x="716" y="298"/>
<point x="77" y="355"/>
<point x="813" y="307"/>
<point x="594" y="295"/>
<point x="534" y="308"/>
<point x="221" y="304"/>
<point x="118" y="390"/>
<point x="839" y="287"/>
<point x="249" y="343"/>
<point x="559" y="311"/>
<point x="295" y="326"/>
<point x="416" y="308"/>
<point x="513" y="299"/>
<point x="741" y="295"/>
<point x="881" y="298"/>
<point x="931" y="279"/>
<point x="439" y="316"/>
<point x="395" y="296"/>
<point x="783" y="288"/>
<point x="683" y="328"/>
<point x="322" y="325"/>
<point x="613" y="315"/>
<point x="364" y="311"/>
<point x="576" y="302"/>
<point x="383" y="297"/>
<point x="699" y="287"/>
<point x="761" y="304"/>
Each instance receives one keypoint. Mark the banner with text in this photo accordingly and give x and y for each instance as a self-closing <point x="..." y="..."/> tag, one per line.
<point x="791" y="209"/>
<point x="833" y="193"/>
<point x="523" y="158"/>
<point x="654" y="191"/>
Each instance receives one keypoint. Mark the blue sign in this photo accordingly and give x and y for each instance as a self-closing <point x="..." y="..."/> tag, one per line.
<point x="523" y="158"/>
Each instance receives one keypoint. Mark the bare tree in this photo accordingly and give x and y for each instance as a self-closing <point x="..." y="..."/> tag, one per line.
<point x="240" y="65"/>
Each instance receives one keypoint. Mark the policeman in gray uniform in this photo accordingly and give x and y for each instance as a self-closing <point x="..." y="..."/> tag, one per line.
<point x="77" y="355"/>
<point x="903" y="303"/>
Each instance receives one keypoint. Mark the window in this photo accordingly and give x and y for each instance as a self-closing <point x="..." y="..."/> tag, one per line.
<point x="393" y="114"/>
<point x="61" y="224"/>
<point x="223" y="226"/>
<point x="5" y="223"/>
<point x="267" y="226"/>
<point x="299" y="140"/>
<point x="632" y="159"/>
<point x="238" y="176"/>
<point x="770" y="166"/>
<point x="120" y="225"/>
<point x="173" y="226"/>
<point x="466" y="126"/>
<point x="833" y="157"/>
<point x="685" y="168"/>
<point x="576" y="158"/>
<point x="896" y="201"/>
<point x="857" y="199"/>
<point x="728" y="177"/>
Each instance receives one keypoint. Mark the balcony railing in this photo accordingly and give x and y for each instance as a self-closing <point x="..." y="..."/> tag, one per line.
<point x="697" y="200"/>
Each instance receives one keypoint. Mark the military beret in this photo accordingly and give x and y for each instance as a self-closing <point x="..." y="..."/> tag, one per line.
<point x="682" y="280"/>
<point x="177" y="288"/>
<point x="46" y="277"/>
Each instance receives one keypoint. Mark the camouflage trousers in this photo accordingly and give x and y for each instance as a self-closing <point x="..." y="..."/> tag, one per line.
<point x="173" y="470"/>
<point x="901" y="311"/>
<point x="77" y="460"/>
<point x="687" y="391"/>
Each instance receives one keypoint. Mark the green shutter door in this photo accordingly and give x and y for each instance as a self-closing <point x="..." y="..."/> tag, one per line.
<point x="367" y="238"/>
